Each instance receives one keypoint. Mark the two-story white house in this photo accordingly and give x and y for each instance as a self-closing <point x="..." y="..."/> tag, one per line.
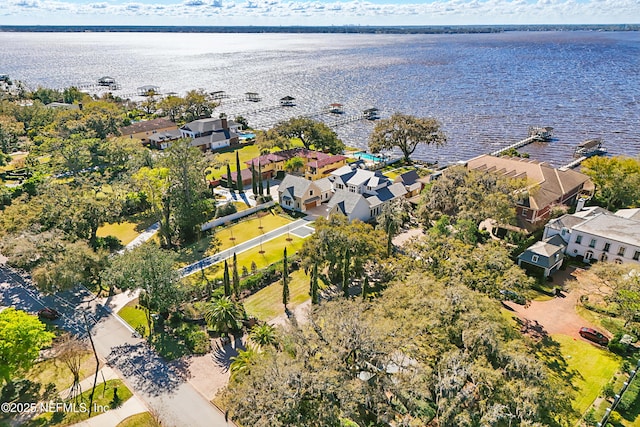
<point x="211" y="134"/>
<point x="361" y="194"/>
<point x="597" y="234"/>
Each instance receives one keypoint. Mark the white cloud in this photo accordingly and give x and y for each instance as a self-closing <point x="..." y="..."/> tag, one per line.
<point x="271" y="12"/>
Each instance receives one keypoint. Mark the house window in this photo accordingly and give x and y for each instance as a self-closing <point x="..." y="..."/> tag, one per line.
<point x="606" y="247"/>
<point x="588" y="255"/>
<point x="621" y="251"/>
<point x="603" y="257"/>
<point x="592" y="243"/>
<point x="534" y="258"/>
<point x="579" y="239"/>
<point x="311" y="192"/>
<point x="525" y="212"/>
<point x="636" y="256"/>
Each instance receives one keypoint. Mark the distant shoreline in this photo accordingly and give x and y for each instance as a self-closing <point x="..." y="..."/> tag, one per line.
<point x="448" y="29"/>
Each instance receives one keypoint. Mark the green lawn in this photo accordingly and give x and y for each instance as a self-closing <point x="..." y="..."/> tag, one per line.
<point x="241" y="206"/>
<point x="266" y="304"/>
<point x="165" y="344"/>
<point x="126" y="231"/>
<point x="595" y="368"/>
<point x="247" y="230"/>
<point x="273" y="252"/>
<point x="245" y="153"/>
<point x="56" y="372"/>
<point x="102" y="401"/>
<point x="134" y="315"/>
<point x="241" y="232"/>
<point x="139" y="420"/>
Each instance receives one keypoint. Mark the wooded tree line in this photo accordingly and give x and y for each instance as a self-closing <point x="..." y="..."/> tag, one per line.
<point x="425" y="350"/>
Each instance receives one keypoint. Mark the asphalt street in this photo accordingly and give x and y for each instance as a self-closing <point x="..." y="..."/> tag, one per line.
<point x="161" y="385"/>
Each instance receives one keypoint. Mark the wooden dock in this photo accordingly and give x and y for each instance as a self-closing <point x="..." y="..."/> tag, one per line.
<point x="539" y="134"/>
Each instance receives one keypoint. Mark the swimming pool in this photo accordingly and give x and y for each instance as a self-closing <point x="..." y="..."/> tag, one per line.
<point x="367" y="156"/>
<point x="246" y="135"/>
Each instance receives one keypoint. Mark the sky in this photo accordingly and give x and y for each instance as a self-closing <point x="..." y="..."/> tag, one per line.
<point x="317" y="12"/>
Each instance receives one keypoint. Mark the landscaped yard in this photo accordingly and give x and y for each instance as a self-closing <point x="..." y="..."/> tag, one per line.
<point x="56" y="372"/>
<point x="247" y="230"/>
<point x="241" y="232"/>
<point x="103" y="398"/>
<point x="246" y="153"/>
<point x="139" y="420"/>
<point x="126" y="231"/>
<point x="135" y="316"/>
<point x="165" y="344"/>
<point x="595" y="368"/>
<point x="266" y="304"/>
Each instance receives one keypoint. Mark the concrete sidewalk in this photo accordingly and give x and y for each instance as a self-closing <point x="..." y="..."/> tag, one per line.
<point x="111" y="418"/>
<point x="245" y="246"/>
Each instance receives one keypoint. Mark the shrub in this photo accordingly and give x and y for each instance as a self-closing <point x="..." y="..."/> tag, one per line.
<point x="608" y="391"/>
<point x="630" y="397"/>
<point x="198" y="342"/>
<point x="110" y="243"/>
<point x="616" y="346"/>
<point x="225" y="209"/>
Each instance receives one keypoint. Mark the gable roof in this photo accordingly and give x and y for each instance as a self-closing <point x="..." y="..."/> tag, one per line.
<point x="552" y="184"/>
<point x="207" y="125"/>
<point x="213" y="138"/>
<point x="294" y="186"/>
<point x="408" y="178"/>
<point x="356" y="176"/>
<point x="385" y="194"/>
<point x="571" y="220"/>
<point x="324" y="184"/>
<point x="345" y="200"/>
<point x="147" y="126"/>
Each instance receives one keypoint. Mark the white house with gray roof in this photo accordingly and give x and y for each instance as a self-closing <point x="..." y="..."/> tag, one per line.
<point x="357" y="180"/>
<point x="296" y="193"/>
<point x="211" y="134"/>
<point x="595" y="233"/>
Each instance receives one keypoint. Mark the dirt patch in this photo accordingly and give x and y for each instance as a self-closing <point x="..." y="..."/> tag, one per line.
<point x="558" y="315"/>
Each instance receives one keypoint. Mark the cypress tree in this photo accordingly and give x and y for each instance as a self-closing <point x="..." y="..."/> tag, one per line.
<point x="238" y="174"/>
<point x="227" y="282"/>
<point x="254" y="184"/>
<point x="285" y="281"/>
<point x="268" y="187"/>
<point x="365" y="288"/>
<point x="229" y="186"/>
<point x="314" y="284"/>
<point x="260" y="187"/>
<point x="345" y="273"/>
<point x="236" y="277"/>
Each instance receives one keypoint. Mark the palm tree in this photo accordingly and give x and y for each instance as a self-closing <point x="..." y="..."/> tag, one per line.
<point x="294" y="164"/>
<point x="263" y="335"/>
<point x="393" y="216"/>
<point x="243" y="361"/>
<point x="224" y="315"/>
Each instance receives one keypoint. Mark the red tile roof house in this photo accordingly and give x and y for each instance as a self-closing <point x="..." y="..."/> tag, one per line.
<point x="548" y="186"/>
<point x="245" y="175"/>
<point x="272" y="163"/>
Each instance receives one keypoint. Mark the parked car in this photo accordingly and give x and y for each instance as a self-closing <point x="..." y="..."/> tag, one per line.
<point x="48" y="313"/>
<point x="593" y="335"/>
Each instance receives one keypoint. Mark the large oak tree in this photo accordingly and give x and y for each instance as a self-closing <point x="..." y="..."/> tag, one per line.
<point x="405" y="132"/>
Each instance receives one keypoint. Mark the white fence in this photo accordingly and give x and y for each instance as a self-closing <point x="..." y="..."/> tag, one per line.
<point x="223" y="220"/>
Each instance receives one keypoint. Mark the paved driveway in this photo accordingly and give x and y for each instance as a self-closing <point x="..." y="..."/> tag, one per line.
<point x="557" y="315"/>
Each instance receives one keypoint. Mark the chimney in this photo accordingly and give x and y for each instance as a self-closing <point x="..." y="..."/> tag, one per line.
<point x="223" y="123"/>
<point x="580" y="204"/>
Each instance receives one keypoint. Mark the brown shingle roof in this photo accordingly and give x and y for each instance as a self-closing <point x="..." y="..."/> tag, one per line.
<point x="147" y="126"/>
<point x="547" y="183"/>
